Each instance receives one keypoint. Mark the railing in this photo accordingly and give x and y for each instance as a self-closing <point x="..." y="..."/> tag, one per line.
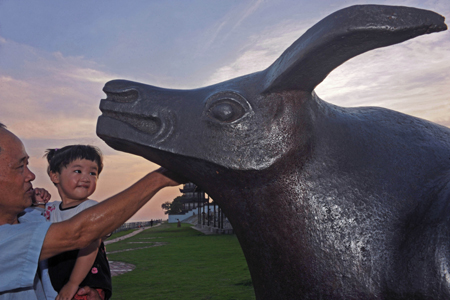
<point x="132" y="225"/>
<point x="215" y="222"/>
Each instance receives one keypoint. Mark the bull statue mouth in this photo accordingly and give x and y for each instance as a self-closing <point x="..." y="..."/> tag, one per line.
<point x="123" y="106"/>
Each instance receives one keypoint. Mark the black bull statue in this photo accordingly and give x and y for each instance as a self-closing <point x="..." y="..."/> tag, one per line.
<point x="327" y="202"/>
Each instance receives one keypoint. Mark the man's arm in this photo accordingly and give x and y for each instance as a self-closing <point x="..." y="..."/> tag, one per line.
<point x="103" y="218"/>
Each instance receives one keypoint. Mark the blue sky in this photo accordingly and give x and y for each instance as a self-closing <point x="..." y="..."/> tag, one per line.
<point x="55" y="57"/>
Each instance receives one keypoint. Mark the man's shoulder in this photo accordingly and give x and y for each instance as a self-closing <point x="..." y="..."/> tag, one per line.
<point x="31" y="214"/>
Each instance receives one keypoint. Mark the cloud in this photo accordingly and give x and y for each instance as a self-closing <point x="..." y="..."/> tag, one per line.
<point x="50" y="101"/>
<point x="70" y="68"/>
<point x="411" y="77"/>
<point x="260" y="51"/>
<point x="252" y="8"/>
<point x="230" y="22"/>
<point x="58" y="95"/>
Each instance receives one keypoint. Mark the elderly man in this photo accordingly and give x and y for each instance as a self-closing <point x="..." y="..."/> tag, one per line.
<point x="25" y="238"/>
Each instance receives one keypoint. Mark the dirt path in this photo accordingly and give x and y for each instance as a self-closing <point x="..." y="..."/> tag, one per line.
<point x="124" y="237"/>
<point x="118" y="267"/>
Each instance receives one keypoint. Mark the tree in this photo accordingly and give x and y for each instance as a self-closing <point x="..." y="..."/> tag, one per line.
<point x="174" y="208"/>
<point x="166" y="206"/>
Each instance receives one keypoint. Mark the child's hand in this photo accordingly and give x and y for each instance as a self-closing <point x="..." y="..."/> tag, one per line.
<point x="67" y="292"/>
<point x="41" y="196"/>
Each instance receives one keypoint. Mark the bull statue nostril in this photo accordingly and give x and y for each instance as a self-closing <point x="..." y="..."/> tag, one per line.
<point x="128" y="96"/>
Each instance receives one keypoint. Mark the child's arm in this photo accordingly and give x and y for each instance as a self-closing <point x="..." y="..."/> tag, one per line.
<point x="83" y="265"/>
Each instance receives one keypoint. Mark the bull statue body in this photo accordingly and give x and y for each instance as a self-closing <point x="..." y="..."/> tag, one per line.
<point x="327" y="202"/>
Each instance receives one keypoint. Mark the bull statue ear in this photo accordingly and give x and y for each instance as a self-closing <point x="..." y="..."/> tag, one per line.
<point x="343" y="35"/>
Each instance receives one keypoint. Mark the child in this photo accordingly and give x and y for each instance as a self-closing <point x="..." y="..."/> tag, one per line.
<point x="74" y="171"/>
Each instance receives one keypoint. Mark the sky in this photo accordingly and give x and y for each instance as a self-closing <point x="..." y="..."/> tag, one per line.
<point x="56" y="56"/>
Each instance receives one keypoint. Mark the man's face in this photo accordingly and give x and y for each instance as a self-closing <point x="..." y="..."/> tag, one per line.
<point x="16" y="189"/>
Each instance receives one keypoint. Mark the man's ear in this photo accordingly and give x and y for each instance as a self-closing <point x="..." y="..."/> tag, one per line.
<point x="54" y="177"/>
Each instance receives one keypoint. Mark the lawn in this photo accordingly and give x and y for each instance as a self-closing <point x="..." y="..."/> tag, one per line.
<point x="121" y="233"/>
<point x="188" y="265"/>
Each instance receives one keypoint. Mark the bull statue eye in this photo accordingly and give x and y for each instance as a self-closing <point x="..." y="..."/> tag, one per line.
<point x="226" y="111"/>
<point x="226" y="107"/>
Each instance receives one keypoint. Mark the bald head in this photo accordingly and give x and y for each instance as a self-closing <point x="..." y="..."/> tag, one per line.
<point x="16" y="189"/>
<point x="1" y="127"/>
<point x="8" y="139"/>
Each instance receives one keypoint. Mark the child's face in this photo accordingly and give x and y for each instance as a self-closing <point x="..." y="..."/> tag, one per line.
<point x="77" y="181"/>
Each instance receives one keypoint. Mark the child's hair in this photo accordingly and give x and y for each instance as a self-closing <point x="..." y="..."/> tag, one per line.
<point x="60" y="158"/>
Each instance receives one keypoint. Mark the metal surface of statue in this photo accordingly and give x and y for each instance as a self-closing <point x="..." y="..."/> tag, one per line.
<point x="327" y="202"/>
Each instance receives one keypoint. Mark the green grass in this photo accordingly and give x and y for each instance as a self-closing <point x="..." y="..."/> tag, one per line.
<point x="190" y="266"/>
<point x="121" y="233"/>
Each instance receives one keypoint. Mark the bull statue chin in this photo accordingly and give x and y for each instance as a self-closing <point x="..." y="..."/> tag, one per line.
<point x="327" y="202"/>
